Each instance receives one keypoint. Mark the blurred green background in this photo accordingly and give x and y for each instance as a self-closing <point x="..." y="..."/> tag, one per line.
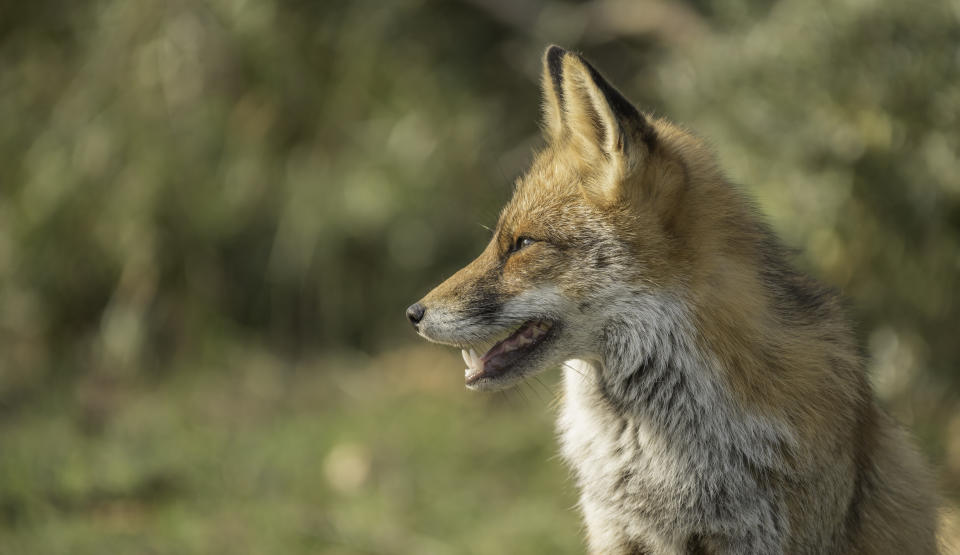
<point x="213" y="213"/>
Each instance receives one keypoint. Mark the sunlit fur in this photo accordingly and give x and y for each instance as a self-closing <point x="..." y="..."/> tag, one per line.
<point x="714" y="398"/>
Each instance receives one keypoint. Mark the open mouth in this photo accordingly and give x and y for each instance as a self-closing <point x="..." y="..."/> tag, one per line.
<point x="505" y="353"/>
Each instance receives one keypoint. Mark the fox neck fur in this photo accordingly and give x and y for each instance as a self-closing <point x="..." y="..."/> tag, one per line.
<point x="661" y="450"/>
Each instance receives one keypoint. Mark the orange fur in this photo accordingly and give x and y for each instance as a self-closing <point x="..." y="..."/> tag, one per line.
<point x="636" y="244"/>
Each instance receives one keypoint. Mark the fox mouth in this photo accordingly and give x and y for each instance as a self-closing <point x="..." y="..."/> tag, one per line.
<point x="506" y="353"/>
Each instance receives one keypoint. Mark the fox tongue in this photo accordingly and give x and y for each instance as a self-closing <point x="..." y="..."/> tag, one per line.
<point x="526" y="335"/>
<point x="506" y="352"/>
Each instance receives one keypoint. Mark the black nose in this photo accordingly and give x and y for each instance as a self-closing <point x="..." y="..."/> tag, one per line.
<point x="415" y="313"/>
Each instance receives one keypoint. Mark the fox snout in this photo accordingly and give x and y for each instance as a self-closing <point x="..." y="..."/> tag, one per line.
<point x="505" y="335"/>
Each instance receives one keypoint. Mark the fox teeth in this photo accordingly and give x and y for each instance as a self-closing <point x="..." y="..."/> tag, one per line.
<point x="471" y="358"/>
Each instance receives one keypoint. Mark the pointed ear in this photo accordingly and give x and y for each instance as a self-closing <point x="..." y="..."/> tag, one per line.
<point x="599" y="117"/>
<point x="607" y="131"/>
<point x="551" y="83"/>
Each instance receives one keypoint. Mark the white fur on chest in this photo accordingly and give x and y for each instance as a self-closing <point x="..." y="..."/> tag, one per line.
<point x="648" y="475"/>
<point x="602" y="443"/>
<point x="603" y="449"/>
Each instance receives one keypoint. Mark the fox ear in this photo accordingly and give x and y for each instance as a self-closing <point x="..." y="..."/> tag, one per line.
<point x="551" y="83"/>
<point x="582" y="107"/>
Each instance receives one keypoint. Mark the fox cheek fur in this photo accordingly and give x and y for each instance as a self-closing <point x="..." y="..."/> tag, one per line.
<point x="714" y="398"/>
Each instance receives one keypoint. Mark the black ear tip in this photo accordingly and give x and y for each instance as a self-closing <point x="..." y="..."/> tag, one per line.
<point x="553" y="60"/>
<point x="554" y="54"/>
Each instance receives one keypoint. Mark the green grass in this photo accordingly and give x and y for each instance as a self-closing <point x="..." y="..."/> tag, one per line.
<point x="340" y="455"/>
<point x="250" y="454"/>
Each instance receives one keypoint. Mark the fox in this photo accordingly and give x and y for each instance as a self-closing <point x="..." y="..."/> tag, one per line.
<point x="714" y="397"/>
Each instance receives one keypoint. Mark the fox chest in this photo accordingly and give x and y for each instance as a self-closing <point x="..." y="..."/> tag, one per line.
<point x="662" y="486"/>
<point x="628" y="477"/>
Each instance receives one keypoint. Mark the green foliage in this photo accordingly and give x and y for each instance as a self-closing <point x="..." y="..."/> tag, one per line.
<point x="328" y="457"/>
<point x="301" y="172"/>
<point x="293" y="171"/>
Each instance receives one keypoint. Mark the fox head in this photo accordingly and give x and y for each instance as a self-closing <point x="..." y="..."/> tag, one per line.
<point x="596" y="222"/>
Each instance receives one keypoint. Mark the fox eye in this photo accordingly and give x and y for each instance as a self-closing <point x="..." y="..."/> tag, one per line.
<point x="521" y="242"/>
